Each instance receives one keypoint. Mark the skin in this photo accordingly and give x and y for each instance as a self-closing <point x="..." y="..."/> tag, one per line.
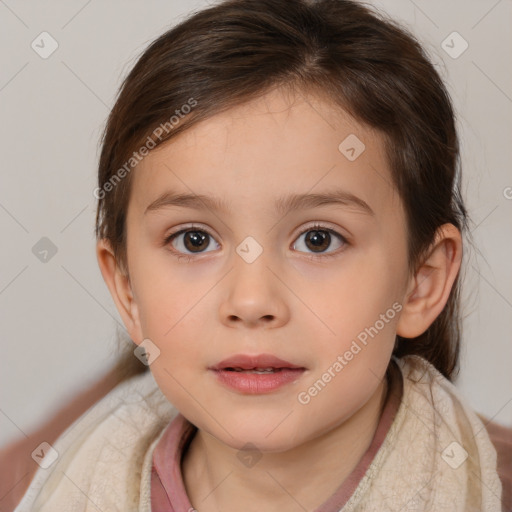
<point x="301" y="309"/>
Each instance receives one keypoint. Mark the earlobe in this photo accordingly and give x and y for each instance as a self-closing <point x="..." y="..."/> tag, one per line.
<point x="429" y="289"/>
<point x="118" y="283"/>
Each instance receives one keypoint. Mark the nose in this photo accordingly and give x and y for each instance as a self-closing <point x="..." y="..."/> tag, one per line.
<point x="254" y="297"/>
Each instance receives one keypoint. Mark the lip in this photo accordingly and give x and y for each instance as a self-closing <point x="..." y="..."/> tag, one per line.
<point x="248" y="362"/>
<point x="256" y="383"/>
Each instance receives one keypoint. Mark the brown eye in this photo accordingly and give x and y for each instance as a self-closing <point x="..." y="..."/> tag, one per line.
<point x="190" y="241"/>
<point x="195" y="241"/>
<point x="318" y="240"/>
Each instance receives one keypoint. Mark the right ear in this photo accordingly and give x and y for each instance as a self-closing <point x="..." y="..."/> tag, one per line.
<point x="118" y="283"/>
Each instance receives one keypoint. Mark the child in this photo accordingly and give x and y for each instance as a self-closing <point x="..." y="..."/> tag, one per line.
<point x="280" y="227"/>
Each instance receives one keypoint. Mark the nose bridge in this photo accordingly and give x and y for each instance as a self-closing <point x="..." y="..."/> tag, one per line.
<point x="251" y="279"/>
<point x="254" y="293"/>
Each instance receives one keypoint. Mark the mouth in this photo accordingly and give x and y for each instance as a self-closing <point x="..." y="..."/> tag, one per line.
<point x="256" y="374"/>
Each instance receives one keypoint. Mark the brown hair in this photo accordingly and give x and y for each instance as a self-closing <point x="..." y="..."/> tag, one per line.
<point x="362" y="61"/>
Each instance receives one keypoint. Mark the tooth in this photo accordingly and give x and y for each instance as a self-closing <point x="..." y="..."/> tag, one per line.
<point x="255" y="370"/>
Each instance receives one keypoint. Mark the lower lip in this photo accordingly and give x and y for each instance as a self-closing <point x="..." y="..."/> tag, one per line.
<point x="258" y="383"/>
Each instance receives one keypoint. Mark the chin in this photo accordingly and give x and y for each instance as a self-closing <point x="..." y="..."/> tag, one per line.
<point x="260" y="443"/>
<point x="262" y="434"/>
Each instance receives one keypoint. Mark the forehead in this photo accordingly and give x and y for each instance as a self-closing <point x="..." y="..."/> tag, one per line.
<point x="260" y="150"/>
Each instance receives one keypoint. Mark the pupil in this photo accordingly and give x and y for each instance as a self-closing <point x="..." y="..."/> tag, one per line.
<point x="195" y="240"/>
<point x="319" y="240"/>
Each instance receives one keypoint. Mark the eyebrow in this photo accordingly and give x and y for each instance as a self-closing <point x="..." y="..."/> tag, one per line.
<point x="291" y="202"/>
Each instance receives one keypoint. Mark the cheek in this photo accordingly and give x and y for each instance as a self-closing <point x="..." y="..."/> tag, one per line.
<point x="175" y="323"/>
<point x="351" y="357"/>
<point x="359" y="308"/>
<point x="353" y="297"/>
<point x="178" y="330"/>
<point x="167" y="295"/>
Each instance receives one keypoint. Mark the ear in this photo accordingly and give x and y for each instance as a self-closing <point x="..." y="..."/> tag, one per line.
<point x="118" y="283"/>
<point x="429" y="289"/>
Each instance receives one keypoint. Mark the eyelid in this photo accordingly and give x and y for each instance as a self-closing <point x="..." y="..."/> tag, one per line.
<point x="319" y="225"/>
<point x="190" y="226"/>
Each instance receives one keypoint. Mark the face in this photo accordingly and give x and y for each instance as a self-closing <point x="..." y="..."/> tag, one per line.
<point x="244" y="270"/>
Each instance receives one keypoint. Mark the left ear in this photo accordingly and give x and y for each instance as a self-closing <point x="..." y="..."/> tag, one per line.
<point x="429" y="289"/>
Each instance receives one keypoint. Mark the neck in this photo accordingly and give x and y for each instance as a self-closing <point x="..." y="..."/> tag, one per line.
<point x="299" y="479"/>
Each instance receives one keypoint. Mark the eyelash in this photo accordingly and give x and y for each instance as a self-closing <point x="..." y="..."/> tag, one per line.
<point x="315" y="227"/>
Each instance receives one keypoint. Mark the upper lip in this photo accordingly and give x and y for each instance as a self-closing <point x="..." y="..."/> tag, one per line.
<point x="249" y="362"/>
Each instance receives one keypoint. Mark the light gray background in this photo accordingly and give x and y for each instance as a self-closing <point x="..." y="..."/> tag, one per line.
<point x="57" y="325"/>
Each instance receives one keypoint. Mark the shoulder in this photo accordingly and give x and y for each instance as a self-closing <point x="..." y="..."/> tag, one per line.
<point x="445" y="422"/>
<point x="501" y="438"/>
<point x="103" y="451"/>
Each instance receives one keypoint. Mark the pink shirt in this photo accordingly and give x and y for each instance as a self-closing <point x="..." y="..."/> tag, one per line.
<point x="168" y="492"/>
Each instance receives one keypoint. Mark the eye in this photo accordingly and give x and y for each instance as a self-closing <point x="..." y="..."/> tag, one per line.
<point x="319" y="238"/>
<point x="196" y="240"/>
<point x="193" y="240"/>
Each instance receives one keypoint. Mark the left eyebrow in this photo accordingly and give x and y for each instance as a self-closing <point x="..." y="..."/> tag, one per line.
<point x="283" y="205"/>
<point x="335" y="197"/>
